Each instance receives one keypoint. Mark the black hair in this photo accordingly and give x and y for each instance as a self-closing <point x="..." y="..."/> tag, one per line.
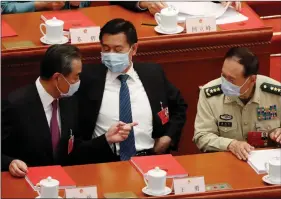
<point x="246" y="58"/>
<point x="58" y="59"/>
<point x="116" y="26"/>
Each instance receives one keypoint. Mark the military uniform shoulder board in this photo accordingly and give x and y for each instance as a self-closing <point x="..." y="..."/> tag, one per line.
<point x="271" y="88"/>
<point x="212" y="91"/>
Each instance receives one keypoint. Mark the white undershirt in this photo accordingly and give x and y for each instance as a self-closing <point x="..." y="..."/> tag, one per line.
<point x="47" y="100"/>
<point x="141" y="110"/>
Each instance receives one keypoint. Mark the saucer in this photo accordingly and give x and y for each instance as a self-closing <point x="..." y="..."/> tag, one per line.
<point x="40" y="197"/>
<point x="159" y="30"/>
<point x="63" y="41"/>
<point x="268" y="181"/>
<point x="167" y="191"/>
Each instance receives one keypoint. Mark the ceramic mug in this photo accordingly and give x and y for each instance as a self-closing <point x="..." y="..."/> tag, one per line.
<point x="273" y="168"/>
<point x="167" y="19"/>
<point x="48" y="188"/>
<point x="54" y="30"/>
<point x="155" y="180"/>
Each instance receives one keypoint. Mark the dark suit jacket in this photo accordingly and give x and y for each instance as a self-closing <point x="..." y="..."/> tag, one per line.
<point x="26" y="133"/>
<point x="157" y="87"/>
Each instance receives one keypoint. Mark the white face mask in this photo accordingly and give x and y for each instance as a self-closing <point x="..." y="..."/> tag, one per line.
<point x="116" y="62"/>
<point x="230" y="89"/>
<point x="72" y="89"/>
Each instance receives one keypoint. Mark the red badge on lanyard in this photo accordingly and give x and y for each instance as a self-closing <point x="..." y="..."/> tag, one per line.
<point x="70" y="142"/>
<point x="164" y="114"/>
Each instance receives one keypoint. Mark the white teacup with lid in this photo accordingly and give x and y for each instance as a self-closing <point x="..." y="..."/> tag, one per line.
<point x="48" y="188"/>
<point x="155" y="180"/>
<point x="273" y="168"/>
<point x="54" y="30"/>
<point x="167" y="19"/>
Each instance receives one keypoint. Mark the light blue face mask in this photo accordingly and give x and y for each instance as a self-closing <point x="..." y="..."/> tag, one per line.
<point x="230" y="89"/>
<point x="116" y="62"/>
<point x="72" y="89"/>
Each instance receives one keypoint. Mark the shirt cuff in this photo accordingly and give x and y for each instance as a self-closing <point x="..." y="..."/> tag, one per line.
<point x="138" y="6"/>
<point x="224" y="143"/>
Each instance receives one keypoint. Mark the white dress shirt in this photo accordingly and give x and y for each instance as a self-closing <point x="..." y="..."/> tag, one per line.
<point x="141" y="110"/>
<point x="47" y="100"/>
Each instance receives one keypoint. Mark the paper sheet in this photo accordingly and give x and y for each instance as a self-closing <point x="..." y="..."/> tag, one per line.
<point x="257" y="159"/>
<point x="224" y="15"/>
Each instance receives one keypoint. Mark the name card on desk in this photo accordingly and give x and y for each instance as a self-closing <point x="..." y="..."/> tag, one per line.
<point x="81" y="192"/>
<point x="189" y="185"/>
<point x="200" y="24"/>
<point x="84" y="35"/>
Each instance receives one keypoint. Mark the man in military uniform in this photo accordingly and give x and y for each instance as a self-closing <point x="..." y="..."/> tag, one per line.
<point x="240" y="110"/>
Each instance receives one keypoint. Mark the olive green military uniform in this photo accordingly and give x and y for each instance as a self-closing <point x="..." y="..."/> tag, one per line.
<point x="221" y="119"/>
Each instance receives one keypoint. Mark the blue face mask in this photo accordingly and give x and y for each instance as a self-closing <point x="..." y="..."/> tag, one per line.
<point x="116" y="62"/>
<point x="230" y="89"/>
<point x="72" y="89"/>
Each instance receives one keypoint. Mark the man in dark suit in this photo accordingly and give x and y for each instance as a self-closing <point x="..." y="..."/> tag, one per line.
<point x="119" y="89"/>
<point x="39" y="120"/>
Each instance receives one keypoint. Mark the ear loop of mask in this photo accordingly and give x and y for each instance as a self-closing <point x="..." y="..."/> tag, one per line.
<point x="58" y="87"/>
<point x="243" y="85"/>
<point x="64" y="79"/>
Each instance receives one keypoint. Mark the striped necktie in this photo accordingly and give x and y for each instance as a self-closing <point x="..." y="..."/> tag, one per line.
<point x="127" y="147"/>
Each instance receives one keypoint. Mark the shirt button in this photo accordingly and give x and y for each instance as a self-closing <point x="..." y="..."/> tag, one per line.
<point x="245" y="123"/>
<point x="245" y="109"/>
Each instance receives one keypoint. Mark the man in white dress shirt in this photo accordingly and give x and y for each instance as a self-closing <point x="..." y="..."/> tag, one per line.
<point x="119" y="89"/>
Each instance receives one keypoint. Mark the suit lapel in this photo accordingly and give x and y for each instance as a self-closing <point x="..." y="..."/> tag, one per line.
<point x="41" y="127"/>
<point x="152" y="88"/>
<point x="95" y="93"/>
<point x="64" y="117"/>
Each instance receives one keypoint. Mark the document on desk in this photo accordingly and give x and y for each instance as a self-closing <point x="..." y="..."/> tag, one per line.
<point x="7" y="30"/>
<point x="72" y="19"/>
<point x="165" y="162"/>
<point x="224" y="14"/>
<point x="257" y="159"/>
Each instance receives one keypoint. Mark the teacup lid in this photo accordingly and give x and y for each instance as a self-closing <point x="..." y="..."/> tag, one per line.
<point x="157" y="172"/>
<point x="275" y="161"/>
<point x="49" y="182"/>
<point x="54" y="22"/>
<point x="170" y="10"/>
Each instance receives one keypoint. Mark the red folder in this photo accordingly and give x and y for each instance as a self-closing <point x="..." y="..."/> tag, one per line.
<point x="72" y="19"/>
<point x="165" y="162"/>
<point x="253" y="21"/>
<point x="7" y="30"/>
<point x="36" y="174"/>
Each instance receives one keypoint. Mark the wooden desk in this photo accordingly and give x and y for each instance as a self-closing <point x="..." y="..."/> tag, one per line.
<point x="220" y="167"/>
<point x="189" y="60"/>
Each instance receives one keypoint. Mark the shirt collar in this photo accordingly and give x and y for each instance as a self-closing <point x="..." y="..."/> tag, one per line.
<point x="131" y="72"/>
<point x="45" y="97"/>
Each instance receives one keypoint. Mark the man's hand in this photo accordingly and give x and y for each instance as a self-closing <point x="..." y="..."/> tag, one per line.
<point x="240" y="149"/>
<point x="237" y="4"/>
<point x="153" y="7"/>
<point x="48" y="5"/>
<point x="162" y="144"/>
<point x="75" y="3"/>
<point x="275" y="135"/>
<point x="119" y="132"/>
<point x="18" y="168"/>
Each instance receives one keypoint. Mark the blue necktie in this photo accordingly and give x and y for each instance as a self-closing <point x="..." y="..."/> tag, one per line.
<point x="127" y="147"/>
